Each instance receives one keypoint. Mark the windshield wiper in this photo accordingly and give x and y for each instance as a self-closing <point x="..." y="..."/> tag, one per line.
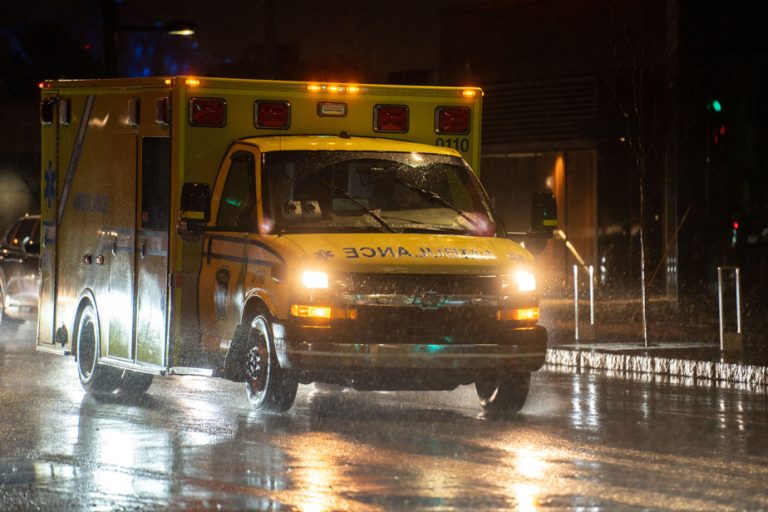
<point x="434" y="196"/>
<point x="386" y="225"/>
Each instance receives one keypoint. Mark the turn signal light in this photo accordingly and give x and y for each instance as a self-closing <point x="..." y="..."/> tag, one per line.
<point x="303" y="311"/>
<point x="519" y="314"/>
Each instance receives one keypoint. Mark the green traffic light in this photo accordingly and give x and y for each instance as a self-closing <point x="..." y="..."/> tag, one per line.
<point x="716" y="106"/>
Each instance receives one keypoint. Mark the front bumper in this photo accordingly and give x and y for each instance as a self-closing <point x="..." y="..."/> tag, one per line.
<point x="520" y="349"/>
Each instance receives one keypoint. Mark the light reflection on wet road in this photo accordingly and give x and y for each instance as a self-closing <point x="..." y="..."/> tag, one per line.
<point x="582" y="441"/>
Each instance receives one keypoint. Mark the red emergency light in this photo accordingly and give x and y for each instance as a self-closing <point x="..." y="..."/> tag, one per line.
<point x="273" y="114"/>
<point x="390" y="118"/>
<point x="453" y="120"/>
<point x="208" y="112"/>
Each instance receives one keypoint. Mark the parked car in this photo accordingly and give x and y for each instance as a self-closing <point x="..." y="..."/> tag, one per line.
<point x="19" y="274"/>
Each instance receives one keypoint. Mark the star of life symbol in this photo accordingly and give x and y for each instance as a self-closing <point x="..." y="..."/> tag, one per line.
<point x="324" y="255"/>
<point x="50" y="184"/>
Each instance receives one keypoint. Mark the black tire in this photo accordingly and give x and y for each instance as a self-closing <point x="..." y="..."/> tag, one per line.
<point x="268" y="386"/>
<point x="135" y="383"/>
<point x="503" y="394"/>
<point x="94" y="377"/>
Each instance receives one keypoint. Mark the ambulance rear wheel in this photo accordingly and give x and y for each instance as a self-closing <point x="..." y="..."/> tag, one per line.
<point x="268" y="386"/>
<point x="94" y="377"/>
<point x="501" y="394"/>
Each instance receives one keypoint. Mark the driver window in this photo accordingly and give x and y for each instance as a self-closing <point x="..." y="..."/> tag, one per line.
<point x="238" y="199"/>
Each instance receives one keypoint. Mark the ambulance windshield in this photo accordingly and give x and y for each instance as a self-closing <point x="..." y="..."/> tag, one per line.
<point x="348" y="192"/>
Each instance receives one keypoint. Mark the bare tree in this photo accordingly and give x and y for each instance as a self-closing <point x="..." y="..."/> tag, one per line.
<point x="644" y="41"/>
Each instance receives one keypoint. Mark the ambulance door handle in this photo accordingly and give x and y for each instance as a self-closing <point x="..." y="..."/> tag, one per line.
<point x="143" y="248"/>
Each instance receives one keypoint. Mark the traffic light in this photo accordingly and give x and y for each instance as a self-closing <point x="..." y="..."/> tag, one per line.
<point x="715" y="122"/>
<point x="718" y="133"/>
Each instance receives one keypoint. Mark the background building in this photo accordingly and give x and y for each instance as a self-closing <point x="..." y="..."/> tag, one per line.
<point x="609" y="103"/>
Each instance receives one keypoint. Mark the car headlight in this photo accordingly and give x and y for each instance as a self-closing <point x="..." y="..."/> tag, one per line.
<point x="314" y="279"/>
<point x="525" y="281"/>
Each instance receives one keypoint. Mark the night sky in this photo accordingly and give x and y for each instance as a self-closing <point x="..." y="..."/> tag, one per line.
<point x="368" y="40"/>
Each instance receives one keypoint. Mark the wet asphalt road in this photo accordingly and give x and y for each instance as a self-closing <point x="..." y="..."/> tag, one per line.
<point x="582" y="441"/>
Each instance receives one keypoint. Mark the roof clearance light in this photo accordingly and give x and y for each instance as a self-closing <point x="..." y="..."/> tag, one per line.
<point x="329" y="109"/>
<point x="390" y="118"/>
<point x="353" y="89"/>
<point x="469" y="93"/>
<point x="452" y="120"/>
<point x="193" y="82"/>
<point x="273" y="114"/>
<point x="314" y="88"/>
<point x="208" y="112"/>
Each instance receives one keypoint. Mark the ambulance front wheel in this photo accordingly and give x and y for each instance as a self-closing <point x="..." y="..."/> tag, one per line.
<point x="501" y="394"/>
<point x="268" y="386"/>
<point x="94" y="377"/>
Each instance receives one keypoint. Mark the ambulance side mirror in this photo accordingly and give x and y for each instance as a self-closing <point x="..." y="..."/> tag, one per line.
<point x="543" y="223"/>
<point x="543" y="214"/>
<point x="195" y="205"/>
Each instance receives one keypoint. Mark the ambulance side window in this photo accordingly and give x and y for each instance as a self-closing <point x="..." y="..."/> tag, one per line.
<point x="238" y="199"/>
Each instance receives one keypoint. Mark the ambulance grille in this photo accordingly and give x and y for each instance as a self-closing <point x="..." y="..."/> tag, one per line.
<point x="415" y="284"/>
<point x="417" y="325"/>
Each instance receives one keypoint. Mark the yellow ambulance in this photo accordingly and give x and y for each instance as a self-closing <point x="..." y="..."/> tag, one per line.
<point x="279" y="233"/>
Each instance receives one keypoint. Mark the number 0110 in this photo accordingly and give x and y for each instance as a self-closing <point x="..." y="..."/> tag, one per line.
<point x="455" y="143"/>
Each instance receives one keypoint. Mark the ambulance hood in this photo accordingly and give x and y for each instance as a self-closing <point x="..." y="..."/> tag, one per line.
<point x="409" y="253"/>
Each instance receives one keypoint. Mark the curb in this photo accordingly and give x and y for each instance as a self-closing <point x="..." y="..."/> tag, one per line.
<point x="706" y="372"/>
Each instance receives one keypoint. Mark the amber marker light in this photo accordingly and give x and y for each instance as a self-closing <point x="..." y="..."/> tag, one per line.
<point x="302" y="311"/>
<point x="519" y="314"/>
<point x="192" y="82"/>
<point x="314" y="88"/>
<point x="469" y="93"/>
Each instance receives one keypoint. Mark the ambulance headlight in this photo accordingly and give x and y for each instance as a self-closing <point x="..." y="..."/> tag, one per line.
<point x="314" y="279"/>
<point x="524" y="281"/>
